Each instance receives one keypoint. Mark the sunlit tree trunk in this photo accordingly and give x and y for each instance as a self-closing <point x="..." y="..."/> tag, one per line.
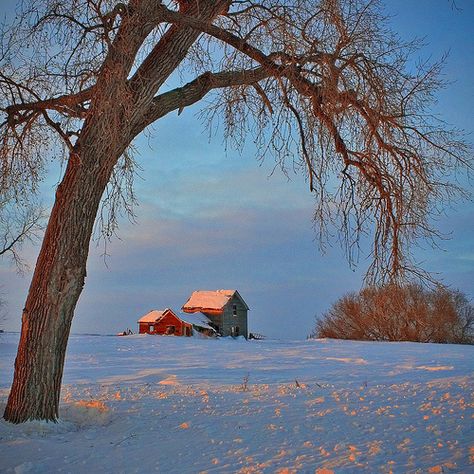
<point x="56" y="286"/>
<point x="120" y="109"/>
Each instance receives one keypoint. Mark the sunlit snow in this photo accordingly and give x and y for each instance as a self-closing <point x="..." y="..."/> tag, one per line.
<point x="177" y="405"/>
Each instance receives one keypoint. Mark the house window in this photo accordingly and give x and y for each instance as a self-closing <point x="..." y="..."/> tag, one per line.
<point x="235" y="331"/>
<point x="234" y="310"/>
<point x="151" y="328"/>
<point x="170" y="329"/>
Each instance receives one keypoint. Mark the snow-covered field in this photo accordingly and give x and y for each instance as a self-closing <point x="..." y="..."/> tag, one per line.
<point x="178" y="405"/>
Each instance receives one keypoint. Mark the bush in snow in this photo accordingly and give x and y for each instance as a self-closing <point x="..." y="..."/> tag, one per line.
<point x="400" y="313"/>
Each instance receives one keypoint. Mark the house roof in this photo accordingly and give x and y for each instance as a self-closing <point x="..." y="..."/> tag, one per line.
<point x="196" y="319"/>
<point x="210" y="300"/>
<point x="153" y="316"/>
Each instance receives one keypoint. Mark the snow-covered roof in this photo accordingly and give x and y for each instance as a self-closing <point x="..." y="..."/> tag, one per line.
<point x="196" y="319"/>
<point x="215" y="300"/>
<point x="153" y="316"/>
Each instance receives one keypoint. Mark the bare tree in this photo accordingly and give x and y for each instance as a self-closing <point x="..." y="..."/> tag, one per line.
<point x="321" y="85"/>
<point x="400" y="313"/>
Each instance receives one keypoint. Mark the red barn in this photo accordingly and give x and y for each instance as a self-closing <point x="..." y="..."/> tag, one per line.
<point x="163" y="322"/>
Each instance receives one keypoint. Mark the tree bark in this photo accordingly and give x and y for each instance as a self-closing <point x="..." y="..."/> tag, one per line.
<point x="55" y="288"/>
<point x="114" y="118"/>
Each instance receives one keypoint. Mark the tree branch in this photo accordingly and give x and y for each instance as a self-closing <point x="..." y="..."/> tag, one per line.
<point x="68" y="104"/>
<point x="173" y="46"/>
<point x="18" y="225"/>
<point x="222" y="35"/>
<point x="181" y="97"/>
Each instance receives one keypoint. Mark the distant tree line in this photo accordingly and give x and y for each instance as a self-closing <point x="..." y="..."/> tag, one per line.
<point x="400" y="313"/>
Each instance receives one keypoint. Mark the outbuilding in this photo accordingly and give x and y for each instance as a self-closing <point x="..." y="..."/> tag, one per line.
<point x="163" y="322"/>
<point x="200" y="322"/>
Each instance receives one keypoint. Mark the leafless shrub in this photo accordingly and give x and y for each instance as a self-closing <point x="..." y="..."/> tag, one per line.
<point x="400" y="313"/>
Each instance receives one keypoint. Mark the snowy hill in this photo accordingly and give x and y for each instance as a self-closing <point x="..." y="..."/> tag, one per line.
<point x="177" y="405"/>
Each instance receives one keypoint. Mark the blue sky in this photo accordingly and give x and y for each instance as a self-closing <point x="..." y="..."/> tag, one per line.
<point x="212" y="219"/>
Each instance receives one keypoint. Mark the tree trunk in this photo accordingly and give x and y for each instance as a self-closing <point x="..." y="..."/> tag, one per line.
<point x="55" y="288"/>
<point x="114" y="118"/>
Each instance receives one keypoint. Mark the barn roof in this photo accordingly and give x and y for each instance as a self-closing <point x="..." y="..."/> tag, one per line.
<point x="153" y="316"/>
<point x="210" y="300"/>
<point x="196" y="319"/>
